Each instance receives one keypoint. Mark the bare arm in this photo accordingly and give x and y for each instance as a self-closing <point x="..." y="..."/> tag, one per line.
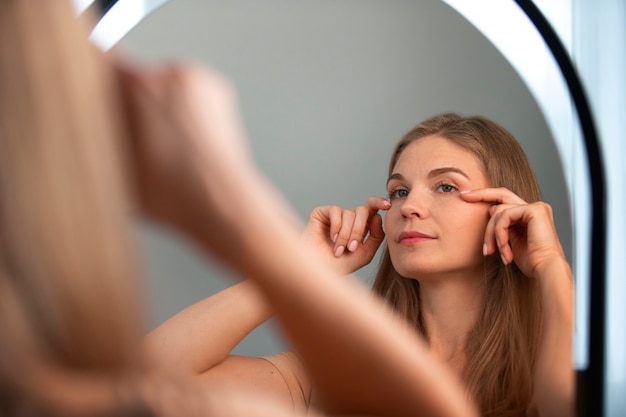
<point x="198" y="341"/>
<point x="360" y="355"/>
<point x="201" y="336"/>
<point x="554" y="377"/>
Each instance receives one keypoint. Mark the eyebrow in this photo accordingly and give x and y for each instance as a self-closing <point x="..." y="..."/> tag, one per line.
<point x="434" y="173"/>
<point x="439" y="171"/>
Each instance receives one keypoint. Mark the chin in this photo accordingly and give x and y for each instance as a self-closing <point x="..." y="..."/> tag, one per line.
<point x="416" y="271"/>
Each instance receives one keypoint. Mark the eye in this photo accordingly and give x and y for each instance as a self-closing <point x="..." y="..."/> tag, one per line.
<point x="446" y="188"/>
<point x="398" y="193"/>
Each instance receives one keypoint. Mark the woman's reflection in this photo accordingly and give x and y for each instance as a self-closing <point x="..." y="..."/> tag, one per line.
<point x="472" y="262"/>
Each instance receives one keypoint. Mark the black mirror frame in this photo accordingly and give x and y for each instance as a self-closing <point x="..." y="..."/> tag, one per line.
<point x="590" y="382"/>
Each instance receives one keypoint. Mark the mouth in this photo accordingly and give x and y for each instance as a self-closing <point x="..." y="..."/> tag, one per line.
<point x="410" y="238"/>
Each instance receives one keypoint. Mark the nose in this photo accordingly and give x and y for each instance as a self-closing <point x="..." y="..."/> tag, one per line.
<point x="414" y="205"/>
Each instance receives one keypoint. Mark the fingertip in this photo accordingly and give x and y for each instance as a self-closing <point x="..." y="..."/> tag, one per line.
<point x="339" y="251"/>
<point x="465" y="193"/>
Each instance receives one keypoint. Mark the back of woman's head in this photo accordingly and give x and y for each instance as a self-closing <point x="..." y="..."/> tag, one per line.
<point x="68" y="302"/>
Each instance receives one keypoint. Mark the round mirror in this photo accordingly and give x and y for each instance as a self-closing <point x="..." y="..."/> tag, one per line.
<point x="326" y="90"/>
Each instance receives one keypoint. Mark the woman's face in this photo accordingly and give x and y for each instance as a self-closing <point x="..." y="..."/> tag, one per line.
<point x="430" y="230"/>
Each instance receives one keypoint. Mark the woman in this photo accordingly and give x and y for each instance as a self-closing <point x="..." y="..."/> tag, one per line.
<point x="87" y="143"/>
<point x="511" y="348"/>
<point x="472" y="262"/>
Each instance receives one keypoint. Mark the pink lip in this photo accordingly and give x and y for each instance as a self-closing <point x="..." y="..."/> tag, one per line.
<point x="409" y="238"/>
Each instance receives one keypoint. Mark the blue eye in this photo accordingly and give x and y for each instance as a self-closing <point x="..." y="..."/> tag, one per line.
<point x="446" y="188"/>
<point x="399" y="193"/>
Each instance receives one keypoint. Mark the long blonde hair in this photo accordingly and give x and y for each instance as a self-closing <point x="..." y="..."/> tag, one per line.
<point x="68" y="286"/>
<point x="502" y="348"/>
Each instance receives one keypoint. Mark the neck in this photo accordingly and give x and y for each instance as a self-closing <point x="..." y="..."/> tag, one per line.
<point x="450" y="309"/>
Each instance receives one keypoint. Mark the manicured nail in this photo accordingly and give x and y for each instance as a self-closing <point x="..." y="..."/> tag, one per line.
<point x="387" y="203"/>
<point x="465" y="191"/>
<point x="353" y="245"/>
<point x="335" y="237"/>
<point x="484" y="249"/>
<point x="503" y="260"/>
<point x="339" y="251"/>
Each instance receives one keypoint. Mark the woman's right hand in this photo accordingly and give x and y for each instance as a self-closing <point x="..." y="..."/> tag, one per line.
<point x="184" y="126"/>
<point x="348" y="239"/>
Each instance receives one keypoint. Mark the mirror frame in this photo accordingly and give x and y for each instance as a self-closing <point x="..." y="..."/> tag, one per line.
<point x="590" y="381"/>
<point x="115" y="18"/>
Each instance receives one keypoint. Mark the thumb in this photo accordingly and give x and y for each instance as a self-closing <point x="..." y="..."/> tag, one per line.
<point x="376" y="234"/>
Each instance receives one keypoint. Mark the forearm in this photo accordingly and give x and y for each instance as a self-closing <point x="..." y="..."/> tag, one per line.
<point x="203" y="335"/>
<point x="554" y="378"/>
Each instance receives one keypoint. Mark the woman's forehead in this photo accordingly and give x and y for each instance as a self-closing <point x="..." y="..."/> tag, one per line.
<point x="433" y="152"/>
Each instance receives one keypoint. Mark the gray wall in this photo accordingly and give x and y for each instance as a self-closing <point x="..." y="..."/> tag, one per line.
<point x="326" y="89"/>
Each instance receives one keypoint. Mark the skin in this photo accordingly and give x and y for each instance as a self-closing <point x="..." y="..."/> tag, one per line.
<point x="424" y="190"/>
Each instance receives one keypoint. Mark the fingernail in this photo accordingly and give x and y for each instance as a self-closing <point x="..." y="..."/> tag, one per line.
<point x="387" y="202"/>
<point x="353" y="245"/>
<point x="484" y="249"/>
<point x="503" y="260"/>
<point x="465" y="191"/>
<point x="339" y="251"/>
<point x="335" y="237"/>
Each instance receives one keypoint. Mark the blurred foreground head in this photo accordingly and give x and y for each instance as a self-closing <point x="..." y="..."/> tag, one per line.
<point x="69" y="307"/>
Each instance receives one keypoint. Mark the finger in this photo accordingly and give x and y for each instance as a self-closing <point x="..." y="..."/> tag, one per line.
<point x="325" y="222"/>
<point x="504" y="227"/>
<point x="500" y="195"/>
<point x="502" y="238"/>
<point x="364" y="216"/>
<point x="360" y="227"/>
<point x="377" y="203"/>
<point x="333" y="214"/>
<point x="342" y="241"/>
<point x="497" y="239"/>
<point x="376" y="235"/>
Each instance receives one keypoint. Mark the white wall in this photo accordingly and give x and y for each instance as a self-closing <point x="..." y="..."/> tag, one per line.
<point x="326" y="90"/>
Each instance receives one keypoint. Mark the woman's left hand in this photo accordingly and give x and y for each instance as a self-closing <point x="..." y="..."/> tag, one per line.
<point x="523" y="232"/>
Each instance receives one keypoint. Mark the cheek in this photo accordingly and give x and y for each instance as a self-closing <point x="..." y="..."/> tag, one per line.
<point x="390" y="220"/>
<point x="473" y="221"/>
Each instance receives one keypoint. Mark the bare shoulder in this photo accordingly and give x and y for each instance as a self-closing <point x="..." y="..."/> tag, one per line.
<point x="208" y="398"/>
<point x="290" y="367"/>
